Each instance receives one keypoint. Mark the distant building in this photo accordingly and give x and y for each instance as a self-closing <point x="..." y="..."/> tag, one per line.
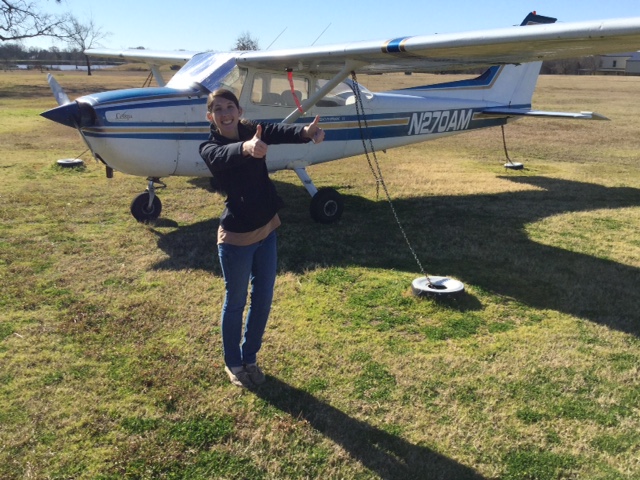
<point x="619" y="64"/>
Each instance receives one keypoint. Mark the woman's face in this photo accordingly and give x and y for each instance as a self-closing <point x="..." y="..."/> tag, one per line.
<point x="225" y="116"/>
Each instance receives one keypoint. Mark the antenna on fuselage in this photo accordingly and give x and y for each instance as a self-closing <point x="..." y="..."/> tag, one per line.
<point x="325" y="29"/>
<point x="274" y="41"/>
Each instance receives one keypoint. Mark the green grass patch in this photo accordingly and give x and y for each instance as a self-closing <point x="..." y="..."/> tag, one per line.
<point x="534" y="464"/>
<point x="6" y="329"/>
<point x="617" y="444"/>
<point x="201" y="432"/>
<point x="374" y="383"/>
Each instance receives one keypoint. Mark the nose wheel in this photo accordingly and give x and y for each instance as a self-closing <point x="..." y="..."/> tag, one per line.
<point x="146" y="207"/>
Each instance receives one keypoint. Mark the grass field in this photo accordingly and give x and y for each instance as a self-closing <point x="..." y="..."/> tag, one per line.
<point x="110" y="355"/>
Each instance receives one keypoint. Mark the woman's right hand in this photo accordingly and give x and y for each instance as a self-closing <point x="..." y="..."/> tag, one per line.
<point x="255" y="147"/>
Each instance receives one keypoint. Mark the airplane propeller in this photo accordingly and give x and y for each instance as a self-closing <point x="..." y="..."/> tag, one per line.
<point x="61" y="97"/>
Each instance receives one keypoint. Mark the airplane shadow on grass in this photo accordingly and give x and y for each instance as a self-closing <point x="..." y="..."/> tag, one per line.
<point x="479" y="239"/>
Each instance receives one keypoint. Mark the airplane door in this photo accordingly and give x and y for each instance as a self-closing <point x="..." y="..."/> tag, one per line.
<point x="270" y="97"/>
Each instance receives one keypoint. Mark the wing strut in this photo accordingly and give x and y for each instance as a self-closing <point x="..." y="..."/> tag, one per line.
<point x="155" y="69"/>
<point x="326" y="203"/>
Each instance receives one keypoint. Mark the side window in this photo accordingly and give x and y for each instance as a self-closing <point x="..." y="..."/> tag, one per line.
<point x="274" y="89"/>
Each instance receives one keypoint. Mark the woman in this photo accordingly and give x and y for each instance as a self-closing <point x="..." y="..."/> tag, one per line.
<point x="236" y="153"/>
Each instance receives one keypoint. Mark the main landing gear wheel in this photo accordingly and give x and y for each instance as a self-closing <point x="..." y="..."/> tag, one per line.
<point x="144" y="210"/>
<point x="436" y="287"/>
<point x="326" y="206"/>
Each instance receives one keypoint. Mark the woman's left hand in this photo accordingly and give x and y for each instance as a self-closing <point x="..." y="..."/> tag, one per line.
<point x="313" y="131"/>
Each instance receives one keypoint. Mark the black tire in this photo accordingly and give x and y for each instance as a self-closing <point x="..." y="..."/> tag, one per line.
<point x="326" y="206"/>
<point x="142" y="212"/>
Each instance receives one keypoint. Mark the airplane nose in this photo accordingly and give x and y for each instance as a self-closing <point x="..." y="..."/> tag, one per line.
<point x="65" y="114"/>
<point x="72" y="114"/>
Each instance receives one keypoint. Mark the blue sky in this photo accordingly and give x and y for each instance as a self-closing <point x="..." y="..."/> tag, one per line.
<point x="215" y="25"/>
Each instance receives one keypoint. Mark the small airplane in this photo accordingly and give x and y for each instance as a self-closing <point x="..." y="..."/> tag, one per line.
<point x="155" y="132"/>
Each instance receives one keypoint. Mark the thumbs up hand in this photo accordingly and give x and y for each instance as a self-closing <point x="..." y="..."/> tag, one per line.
<point x="313" y="131"/>
<point x="255" y="147"/>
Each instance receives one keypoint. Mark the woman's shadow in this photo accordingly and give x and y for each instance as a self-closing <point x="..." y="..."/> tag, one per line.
<point x="387" y="455"/>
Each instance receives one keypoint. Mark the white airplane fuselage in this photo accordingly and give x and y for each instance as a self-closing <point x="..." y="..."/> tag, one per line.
<point x="156" y="132"/>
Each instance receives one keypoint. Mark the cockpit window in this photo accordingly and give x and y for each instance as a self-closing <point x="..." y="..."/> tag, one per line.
<point x="212" y="71"/>
<point x="275" y="89"/>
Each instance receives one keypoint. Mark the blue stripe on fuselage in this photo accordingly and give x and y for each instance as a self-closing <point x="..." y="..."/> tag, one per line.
<point x="417" y="123"/>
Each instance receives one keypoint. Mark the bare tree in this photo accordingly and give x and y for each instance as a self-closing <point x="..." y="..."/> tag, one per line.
<point x="246" y="42"/>
<point x="22" y="19"/>
<point x="82" y="35"/>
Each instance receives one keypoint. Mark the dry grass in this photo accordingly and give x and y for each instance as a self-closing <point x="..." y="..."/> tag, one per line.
<point x="110" y="361"/>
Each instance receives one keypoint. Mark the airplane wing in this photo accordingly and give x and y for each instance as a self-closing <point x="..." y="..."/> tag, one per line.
<point x="437" y="53"/>
<point x="155" y="57"/>
<point x="431" y="53"/>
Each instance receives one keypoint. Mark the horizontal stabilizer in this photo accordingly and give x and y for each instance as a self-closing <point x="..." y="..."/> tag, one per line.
<point x="525" y="112"/>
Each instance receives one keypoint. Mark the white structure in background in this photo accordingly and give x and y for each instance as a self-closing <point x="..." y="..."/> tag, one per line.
<point x="620" y="64"/>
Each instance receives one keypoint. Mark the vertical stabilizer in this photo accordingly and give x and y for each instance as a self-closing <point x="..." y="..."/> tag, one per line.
<point x="511" y="85"/>
<point x="534" y="19"/>
<point x="516" y="83"/>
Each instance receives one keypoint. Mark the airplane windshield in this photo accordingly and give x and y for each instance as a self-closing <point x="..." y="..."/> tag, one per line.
<point x="211" y="70"/>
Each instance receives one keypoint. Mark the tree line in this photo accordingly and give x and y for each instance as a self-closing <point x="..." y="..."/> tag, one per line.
<point x="25" y="19"/>
<point x="12" y="53"/>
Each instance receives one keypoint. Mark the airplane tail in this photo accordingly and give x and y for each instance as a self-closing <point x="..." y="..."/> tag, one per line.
<point x="516" y="83"/>
<point x="534" y="19"/>
<point x="511" y="85"/>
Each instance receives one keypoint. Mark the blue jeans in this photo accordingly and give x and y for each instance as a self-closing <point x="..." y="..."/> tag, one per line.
<point x="255" y="264"/>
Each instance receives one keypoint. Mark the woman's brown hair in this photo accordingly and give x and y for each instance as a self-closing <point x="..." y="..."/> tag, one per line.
<point x="222" y="93"/>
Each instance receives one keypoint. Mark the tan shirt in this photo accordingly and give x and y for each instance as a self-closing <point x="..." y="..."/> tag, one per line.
<point x="248" y="238"/>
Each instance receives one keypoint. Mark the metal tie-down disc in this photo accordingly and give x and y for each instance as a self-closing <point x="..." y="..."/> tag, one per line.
<point x="514" y="165"/>
<point x="436" y="287"/>
<point x="70" y="162"/>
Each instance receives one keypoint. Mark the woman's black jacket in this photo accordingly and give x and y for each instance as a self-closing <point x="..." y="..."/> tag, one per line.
<point x="252" y="199"/>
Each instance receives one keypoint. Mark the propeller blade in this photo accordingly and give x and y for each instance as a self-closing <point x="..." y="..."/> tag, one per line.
<point x="61" y="97"/>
